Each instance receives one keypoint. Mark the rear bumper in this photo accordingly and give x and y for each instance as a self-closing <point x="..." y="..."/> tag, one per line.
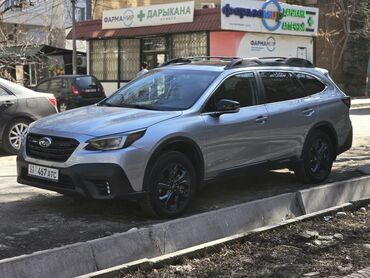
<point x="347" y="144"/>
<point x="95" y="180"/>
<point x="81" y="101"/>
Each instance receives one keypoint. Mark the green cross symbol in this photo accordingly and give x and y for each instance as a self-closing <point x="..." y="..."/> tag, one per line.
<point x="141" y="15"/>
<point x="310" y="21"/>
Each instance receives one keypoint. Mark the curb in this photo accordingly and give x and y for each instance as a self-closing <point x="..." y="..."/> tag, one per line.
<point x="184" y="233"/>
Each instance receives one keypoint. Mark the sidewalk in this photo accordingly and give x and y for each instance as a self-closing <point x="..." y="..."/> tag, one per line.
<point x="360" y="102"/>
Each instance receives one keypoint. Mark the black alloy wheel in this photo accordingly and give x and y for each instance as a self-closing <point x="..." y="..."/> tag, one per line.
<point x="318" y="157"/>
<point x="172" y="186"/>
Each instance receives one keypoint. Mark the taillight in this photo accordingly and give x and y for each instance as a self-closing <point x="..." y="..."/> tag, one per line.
<point x="347" y="101"/>
<point x="75" y="91"/>
<point x="53" y="101"/>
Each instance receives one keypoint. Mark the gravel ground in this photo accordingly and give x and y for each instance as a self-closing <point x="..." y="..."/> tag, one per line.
<point x="333" y="245"/>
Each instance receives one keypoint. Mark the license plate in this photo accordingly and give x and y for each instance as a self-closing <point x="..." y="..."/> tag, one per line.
<point x="90" y="90"/>
<point x="43" y="172"/>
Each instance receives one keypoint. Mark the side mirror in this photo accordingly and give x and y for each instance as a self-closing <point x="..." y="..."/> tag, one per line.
<point x="226" y="106"/>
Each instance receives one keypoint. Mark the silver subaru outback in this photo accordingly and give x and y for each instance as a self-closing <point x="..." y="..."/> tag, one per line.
<point x="160" y="137"/>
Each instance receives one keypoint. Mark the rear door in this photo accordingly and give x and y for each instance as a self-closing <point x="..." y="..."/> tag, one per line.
<point x="235" y="140"/>
<point x="291" y="113"/>
<point x="55" y="88"/>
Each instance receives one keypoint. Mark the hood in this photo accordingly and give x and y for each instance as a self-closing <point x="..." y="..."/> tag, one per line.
<point x="100" y="120"/>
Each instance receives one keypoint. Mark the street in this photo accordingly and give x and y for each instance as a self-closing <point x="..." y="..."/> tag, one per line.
<point x="33" y="219"/>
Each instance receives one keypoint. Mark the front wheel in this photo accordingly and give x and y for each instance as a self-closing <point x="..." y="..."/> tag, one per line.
<point x="171" y="186"/>
<point x="13" y="134"/>
<point x="317" y="158"/>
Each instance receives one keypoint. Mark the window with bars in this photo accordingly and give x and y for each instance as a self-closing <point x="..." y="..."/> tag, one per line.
<point x="130" y="58"/>
<point x="104" y="59"/>
<point x="189" y="44"/>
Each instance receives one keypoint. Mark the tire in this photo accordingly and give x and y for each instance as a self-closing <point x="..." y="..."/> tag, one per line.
<point x="317" y="158"/>
<point x="171" y="186"/>
<point x="63" y="106"/>
<point x="12" y="135"/>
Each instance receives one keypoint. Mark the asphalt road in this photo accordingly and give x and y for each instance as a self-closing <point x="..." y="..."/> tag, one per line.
<point x="33" y="219"/>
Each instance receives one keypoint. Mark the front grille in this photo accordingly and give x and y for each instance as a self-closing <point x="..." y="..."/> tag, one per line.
<point x="59" y="151"/>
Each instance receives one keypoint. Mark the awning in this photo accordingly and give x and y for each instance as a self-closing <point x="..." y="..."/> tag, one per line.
<point x="204" y="20"/>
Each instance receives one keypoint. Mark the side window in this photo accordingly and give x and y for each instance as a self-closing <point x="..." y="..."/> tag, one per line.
<point x="43" y="87"/>
<point x="280" y="86"/>
<point x="311" y="84"/>
<point x="55" y="85"/>
<point x="3" y="92"/>
<point x="240" y="88"/>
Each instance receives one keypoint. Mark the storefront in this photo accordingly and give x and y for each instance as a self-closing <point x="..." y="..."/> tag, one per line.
<point x="123" y="39"/>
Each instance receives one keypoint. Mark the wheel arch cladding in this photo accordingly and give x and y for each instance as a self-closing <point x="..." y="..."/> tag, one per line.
<point x="183" y="145"/>
<point x="327" y="128"/>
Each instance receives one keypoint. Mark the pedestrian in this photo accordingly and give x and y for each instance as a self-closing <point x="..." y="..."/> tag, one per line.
<point x="143" y="70"/>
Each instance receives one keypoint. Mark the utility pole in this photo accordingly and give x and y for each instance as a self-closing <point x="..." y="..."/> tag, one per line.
<point x="74" y="53"/>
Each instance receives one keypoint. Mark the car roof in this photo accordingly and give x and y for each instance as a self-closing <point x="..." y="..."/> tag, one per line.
<point x="231" y="64"/>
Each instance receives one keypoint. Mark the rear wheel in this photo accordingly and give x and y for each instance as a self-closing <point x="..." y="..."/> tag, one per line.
<point x="317" y="158"/>
<point x="171" y="187"/>
<point x="13" y="134"/>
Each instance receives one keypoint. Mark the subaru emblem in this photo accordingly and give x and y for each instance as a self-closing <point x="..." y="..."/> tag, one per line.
<point x="45" y="142"/>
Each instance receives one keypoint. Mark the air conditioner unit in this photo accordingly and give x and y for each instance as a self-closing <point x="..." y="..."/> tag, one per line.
<point x="208" y="5"/>
<point x="81" y="61"/>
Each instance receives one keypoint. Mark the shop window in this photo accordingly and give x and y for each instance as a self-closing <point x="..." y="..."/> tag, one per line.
<point x="130" y="58"/>
<point x="189" y="44"/>
<point x="104" y="59"/>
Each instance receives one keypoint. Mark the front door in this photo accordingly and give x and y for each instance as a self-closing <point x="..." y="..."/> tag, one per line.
<point x="235" y="140"/>
<point x="8" y="104"/>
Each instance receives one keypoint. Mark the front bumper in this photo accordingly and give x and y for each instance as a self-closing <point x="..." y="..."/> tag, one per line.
<point x="93" y="180"/>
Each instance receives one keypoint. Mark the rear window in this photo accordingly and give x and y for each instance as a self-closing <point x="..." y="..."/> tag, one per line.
<point x="42" y="87"/>
<point x="311" y="84"/>
<point x="281" y="86"/>
<point x="86" y="81"/>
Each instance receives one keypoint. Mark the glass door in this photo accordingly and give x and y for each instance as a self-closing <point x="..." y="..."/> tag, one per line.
<point x="155" y="51"/>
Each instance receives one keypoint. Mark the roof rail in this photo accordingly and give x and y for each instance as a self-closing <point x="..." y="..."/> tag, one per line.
<point x="244" y="62"/>
<point x="187" y="60"/>
<point x="292" y="62"/>
<point x="270" y="61"/>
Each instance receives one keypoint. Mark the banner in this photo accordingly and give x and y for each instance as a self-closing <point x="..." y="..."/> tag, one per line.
<point x="269" y="17"/>
<point x="149" y="15"/>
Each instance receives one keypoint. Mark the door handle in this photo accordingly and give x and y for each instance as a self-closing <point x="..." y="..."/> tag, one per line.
<point x="308" y="112"/>
<point x="261" y="120"/>
<point x="8" y="103"/>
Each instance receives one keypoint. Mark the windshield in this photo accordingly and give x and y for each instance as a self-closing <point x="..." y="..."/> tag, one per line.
<point x="166" y="89"/>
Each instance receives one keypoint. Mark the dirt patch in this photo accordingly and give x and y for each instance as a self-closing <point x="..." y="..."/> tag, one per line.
<point x="332" y="245"/>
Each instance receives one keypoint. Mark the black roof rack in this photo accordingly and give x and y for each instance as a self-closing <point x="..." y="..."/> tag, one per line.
<point x="234" y="62"/>
<point x="188" y="60"/>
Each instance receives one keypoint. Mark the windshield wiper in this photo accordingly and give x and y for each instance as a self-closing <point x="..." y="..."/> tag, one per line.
<point x="140" y="106"/>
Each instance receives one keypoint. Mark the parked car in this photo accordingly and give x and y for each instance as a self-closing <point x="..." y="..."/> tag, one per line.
<point x="19" y="107"/>
<point x="72" y="91"/>
<point x="162" y="135"/>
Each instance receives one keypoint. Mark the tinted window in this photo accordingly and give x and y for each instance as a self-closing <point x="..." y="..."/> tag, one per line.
<point x="86" y="81"/>
<point x="55" y="85"/>
<point x="3" y="92"/>
<point x="43" y="87"/>
<point x="165" y="89"/>
<point x="311" y="84"/>
<point x="280" y="86"/>
<point x="240" y="88"/>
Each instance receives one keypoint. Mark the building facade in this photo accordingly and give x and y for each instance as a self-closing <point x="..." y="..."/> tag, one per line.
<point x="124" y="38"/>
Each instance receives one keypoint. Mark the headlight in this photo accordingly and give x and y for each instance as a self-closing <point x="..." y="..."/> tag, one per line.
<point x="114" y="142"/>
